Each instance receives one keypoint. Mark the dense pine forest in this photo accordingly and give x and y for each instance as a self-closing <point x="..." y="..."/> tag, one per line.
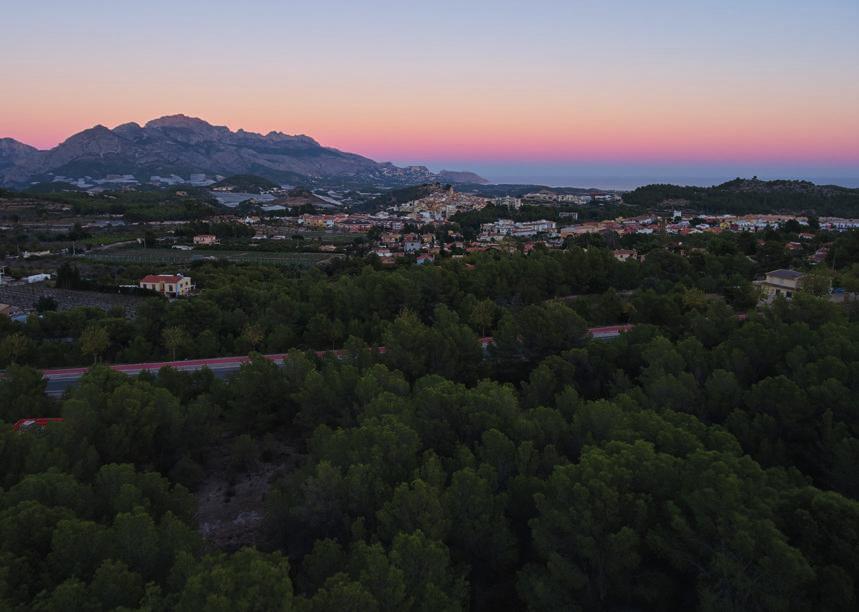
<point x="706" y="459"/>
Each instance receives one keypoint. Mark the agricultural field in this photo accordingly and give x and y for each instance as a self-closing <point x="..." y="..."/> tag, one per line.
<point x="175" y="256"/>
<point x="329" y="237"/>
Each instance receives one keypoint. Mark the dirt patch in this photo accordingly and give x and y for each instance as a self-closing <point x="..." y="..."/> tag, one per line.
<point x="26" y="296"/>
<point x="231" y="506"/>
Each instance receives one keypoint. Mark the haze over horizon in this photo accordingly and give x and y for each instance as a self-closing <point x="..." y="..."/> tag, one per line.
<point x="553" y="92"/>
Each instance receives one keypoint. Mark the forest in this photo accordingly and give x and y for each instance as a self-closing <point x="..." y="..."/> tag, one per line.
<point x="746" y="196"/>
<point x="703" y="460"/>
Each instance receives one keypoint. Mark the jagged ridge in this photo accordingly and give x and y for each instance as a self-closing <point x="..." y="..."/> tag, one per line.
<point x="178" y="144"/>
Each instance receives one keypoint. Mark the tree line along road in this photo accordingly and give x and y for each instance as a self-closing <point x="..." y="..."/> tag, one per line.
<point x="61" y="379"/>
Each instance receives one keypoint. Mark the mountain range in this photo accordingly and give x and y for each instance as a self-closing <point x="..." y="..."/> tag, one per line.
<point x="181" y="145"/>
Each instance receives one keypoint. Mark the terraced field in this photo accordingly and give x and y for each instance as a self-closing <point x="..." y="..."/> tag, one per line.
<point x="166" y="256"/>
<point x="26" y="296"/>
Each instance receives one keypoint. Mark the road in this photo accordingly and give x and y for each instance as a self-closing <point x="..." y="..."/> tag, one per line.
<point x="60" y="380"/>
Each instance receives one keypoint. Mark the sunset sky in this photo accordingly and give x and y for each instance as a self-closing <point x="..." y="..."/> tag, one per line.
<point x="566" y="89"/>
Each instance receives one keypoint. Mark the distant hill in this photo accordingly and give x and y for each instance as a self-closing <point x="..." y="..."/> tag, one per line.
<point x="13" y="152"/>
<point x="180" y="145"/>
<point x="742" y="196"/>
<point x="518" y="190"/>
<point x="301" y="197"/>
<point x="245" y="183"/>
<point x="455" y="176"/>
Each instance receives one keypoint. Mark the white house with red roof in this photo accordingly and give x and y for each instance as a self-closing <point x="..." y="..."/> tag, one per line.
<point x="171" y="285"/>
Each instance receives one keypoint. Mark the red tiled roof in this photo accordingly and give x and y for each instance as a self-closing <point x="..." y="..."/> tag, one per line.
<point x="160" y="278"/>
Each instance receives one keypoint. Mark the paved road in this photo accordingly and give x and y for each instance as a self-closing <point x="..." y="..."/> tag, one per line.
<point x="60" y="380"/>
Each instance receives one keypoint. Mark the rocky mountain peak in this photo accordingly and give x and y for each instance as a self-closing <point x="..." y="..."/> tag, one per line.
<point x="10" y="144"/>
<point x="182" y="145"/>
<point x="97" y="133"/>
<point x="178" y="121"/>
<point x="127" y="127"/>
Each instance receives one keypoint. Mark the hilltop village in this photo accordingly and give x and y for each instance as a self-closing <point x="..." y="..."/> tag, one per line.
<point x="129" y="235"/>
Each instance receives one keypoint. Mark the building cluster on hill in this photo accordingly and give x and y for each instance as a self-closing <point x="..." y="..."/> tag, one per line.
<point x="392" y="245"/>
<point x="685" y="223"/>
<point x="440" y="206"/>
<point x="398" y="223"/>
<point x="353" y="223"/>
<point x="508" y="201"/>
<point x="437" y="208"/>
<point x="547" y="197"/>
<point x="644" y="224"/>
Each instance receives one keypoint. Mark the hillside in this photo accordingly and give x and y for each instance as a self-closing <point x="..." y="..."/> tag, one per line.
<point x="245" y="183"/>
<point x="13" y="152"/>
<point x="742" y="196"/>
<point x="454" y="176"/>
<point x="403" y="195"/>
<point x="180" y="145"/>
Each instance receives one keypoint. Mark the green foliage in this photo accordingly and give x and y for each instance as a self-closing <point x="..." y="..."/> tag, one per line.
<point x="248" y="183"/>
<point x="175" y="339"/>
<point x="698" y="461"/>
<point x="247" y="581"/>
<point x="22" y="394"/>
<point x="94" y="341"/>
<point x="140" y="205"/>
<point x="244" y="453"/>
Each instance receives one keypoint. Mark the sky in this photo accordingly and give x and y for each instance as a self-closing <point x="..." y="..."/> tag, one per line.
<point x="568" y="91"/>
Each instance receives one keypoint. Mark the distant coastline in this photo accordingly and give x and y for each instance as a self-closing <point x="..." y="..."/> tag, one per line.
<point x="628" y="183"/>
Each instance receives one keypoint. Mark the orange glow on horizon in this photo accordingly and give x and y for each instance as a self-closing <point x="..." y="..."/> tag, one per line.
<point x="639" y="82"/>
<point x="652" y="127"/>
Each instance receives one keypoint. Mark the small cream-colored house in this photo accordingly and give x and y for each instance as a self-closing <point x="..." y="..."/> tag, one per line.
<point x="781" y="282"/>
<point x="171" y="285"/>
<point x="625" y="254"/>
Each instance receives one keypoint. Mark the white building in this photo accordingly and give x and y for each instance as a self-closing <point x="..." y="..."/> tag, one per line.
<point x="36" y="278"/>
<point x="508" y="202"/>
